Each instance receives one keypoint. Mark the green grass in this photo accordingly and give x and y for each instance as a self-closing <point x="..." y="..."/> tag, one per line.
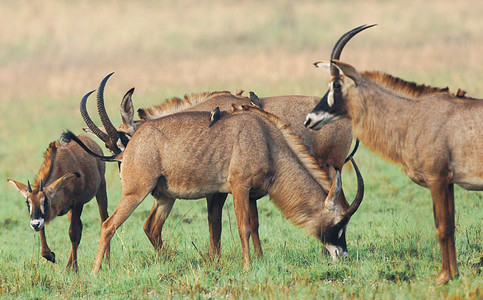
<point x="392" y="247"/>
<point x="52" y="54"/>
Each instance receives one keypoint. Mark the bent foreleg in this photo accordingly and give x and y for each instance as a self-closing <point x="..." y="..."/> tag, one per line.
<point x="45" y="252"/>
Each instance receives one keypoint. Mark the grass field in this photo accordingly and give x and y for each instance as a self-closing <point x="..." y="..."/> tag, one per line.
<point x="53" y="52"/>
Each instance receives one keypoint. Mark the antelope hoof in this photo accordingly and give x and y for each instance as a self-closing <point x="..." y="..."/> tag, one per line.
<point x="443" y="278"/>
<point x="72" y="267"/>
<point x="50" y="257"/>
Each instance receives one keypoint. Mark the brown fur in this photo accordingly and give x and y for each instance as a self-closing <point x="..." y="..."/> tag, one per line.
<point x="174" y="105"/>
<point x="329" y="146"/>
<point x="245" y="150"/>
<point x="205" y="101"/>
<point x="294" y="142"/>
<point x="404" y="88"/>
<point x="438" y="142"/>
<point x="70" y="178"/>
<point x="47" y="166"/>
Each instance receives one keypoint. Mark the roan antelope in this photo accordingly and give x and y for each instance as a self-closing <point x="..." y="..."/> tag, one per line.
<point x="434" y="135"/>
<point x="67" y="179"/>
<point x="329" y="146"/>
<point x="179" y="156"/>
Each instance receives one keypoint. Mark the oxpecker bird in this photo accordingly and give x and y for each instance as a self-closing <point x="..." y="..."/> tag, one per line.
<point x="214" y="116"/>
<point x="255" y="101"/>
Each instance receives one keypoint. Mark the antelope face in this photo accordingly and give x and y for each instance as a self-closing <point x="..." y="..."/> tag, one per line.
<point x="123" y="139"/>
<point x="38" y="206"/>
<point x="335" y="218"/>
<point x="333" y="239"/>
<point x="38" y="199"/>
<point x="330" y="108"/>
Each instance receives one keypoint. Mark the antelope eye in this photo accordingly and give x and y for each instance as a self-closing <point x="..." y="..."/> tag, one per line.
<point x="337" y="85"/>
<point x="27" y="202"/>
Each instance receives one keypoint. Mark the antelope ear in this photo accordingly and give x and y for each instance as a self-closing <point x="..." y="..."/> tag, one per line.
<point x="325" y="65"/>
<point x="62" y="181"/>
<point x="332" y="201"/>
<point x="21" y="188"/>
<point x="347" y="70"/>
<point x="127" y="109"/>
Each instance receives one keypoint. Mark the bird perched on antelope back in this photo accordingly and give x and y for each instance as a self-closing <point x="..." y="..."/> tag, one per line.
<point x="255" y="101"/>
<point x="214" y="116"/>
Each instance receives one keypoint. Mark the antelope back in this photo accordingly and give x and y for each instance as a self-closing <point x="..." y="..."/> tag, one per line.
<point x="328" y="146"/>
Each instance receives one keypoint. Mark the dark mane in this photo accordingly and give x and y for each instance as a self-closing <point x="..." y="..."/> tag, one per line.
<point x="173" y="105"/>
<point x="403" y="87"/>
<point x="47" y="166"/>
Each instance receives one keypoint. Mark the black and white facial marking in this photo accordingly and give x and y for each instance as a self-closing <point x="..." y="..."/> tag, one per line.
<point x="329" y="108"/>
<point x="334" y="239"/>
<point x="121" y="143"/>
<point x="38" y="211"/>
<point x="332" y="233"/>
<point x="123" y="140"/>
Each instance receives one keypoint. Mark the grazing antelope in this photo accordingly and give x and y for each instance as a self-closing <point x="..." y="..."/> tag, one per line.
<point x="328" y="146"/>
<point x="68" y="179"/>
<point x="178" y="156"/>
<point x="434" y="135"/>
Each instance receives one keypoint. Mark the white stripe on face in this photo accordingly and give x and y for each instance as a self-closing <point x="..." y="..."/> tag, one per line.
<point x="330" y="96"/>
<point x="120" y="145"/>
<point x="30" y="206"/>
<point x="317" y="120"/>
<point x="42" y="206"/>
<point x="335" y="251"/>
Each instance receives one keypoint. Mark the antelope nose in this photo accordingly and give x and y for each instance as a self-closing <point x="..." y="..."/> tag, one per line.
<point x="307" y="122"/>
<point x="36" y="225"/>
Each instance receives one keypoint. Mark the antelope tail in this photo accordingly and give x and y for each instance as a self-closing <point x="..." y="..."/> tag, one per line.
<point x="68" y="136"/>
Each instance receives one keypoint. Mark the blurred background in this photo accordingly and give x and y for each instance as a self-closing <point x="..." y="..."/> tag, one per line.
<point x="53" y="52"/>
<point x="61" y="49"/>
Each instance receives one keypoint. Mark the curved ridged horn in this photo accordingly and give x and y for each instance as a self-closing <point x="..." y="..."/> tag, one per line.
<point x="41" y="186"/>
<point x="83" y="110"/>
<point x="29" y="187"/>
<point x="339" y="45"/>
<point x="356" y="146"/>
<point x="110" y="129"/>
<point x="360" y="192"/>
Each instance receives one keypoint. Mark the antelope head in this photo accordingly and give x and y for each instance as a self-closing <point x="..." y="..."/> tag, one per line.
<point x="115" y="139"/>
<point x="38" y="200"/>
<point x="332" y="106"/>
<point x="332" y="231"/>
